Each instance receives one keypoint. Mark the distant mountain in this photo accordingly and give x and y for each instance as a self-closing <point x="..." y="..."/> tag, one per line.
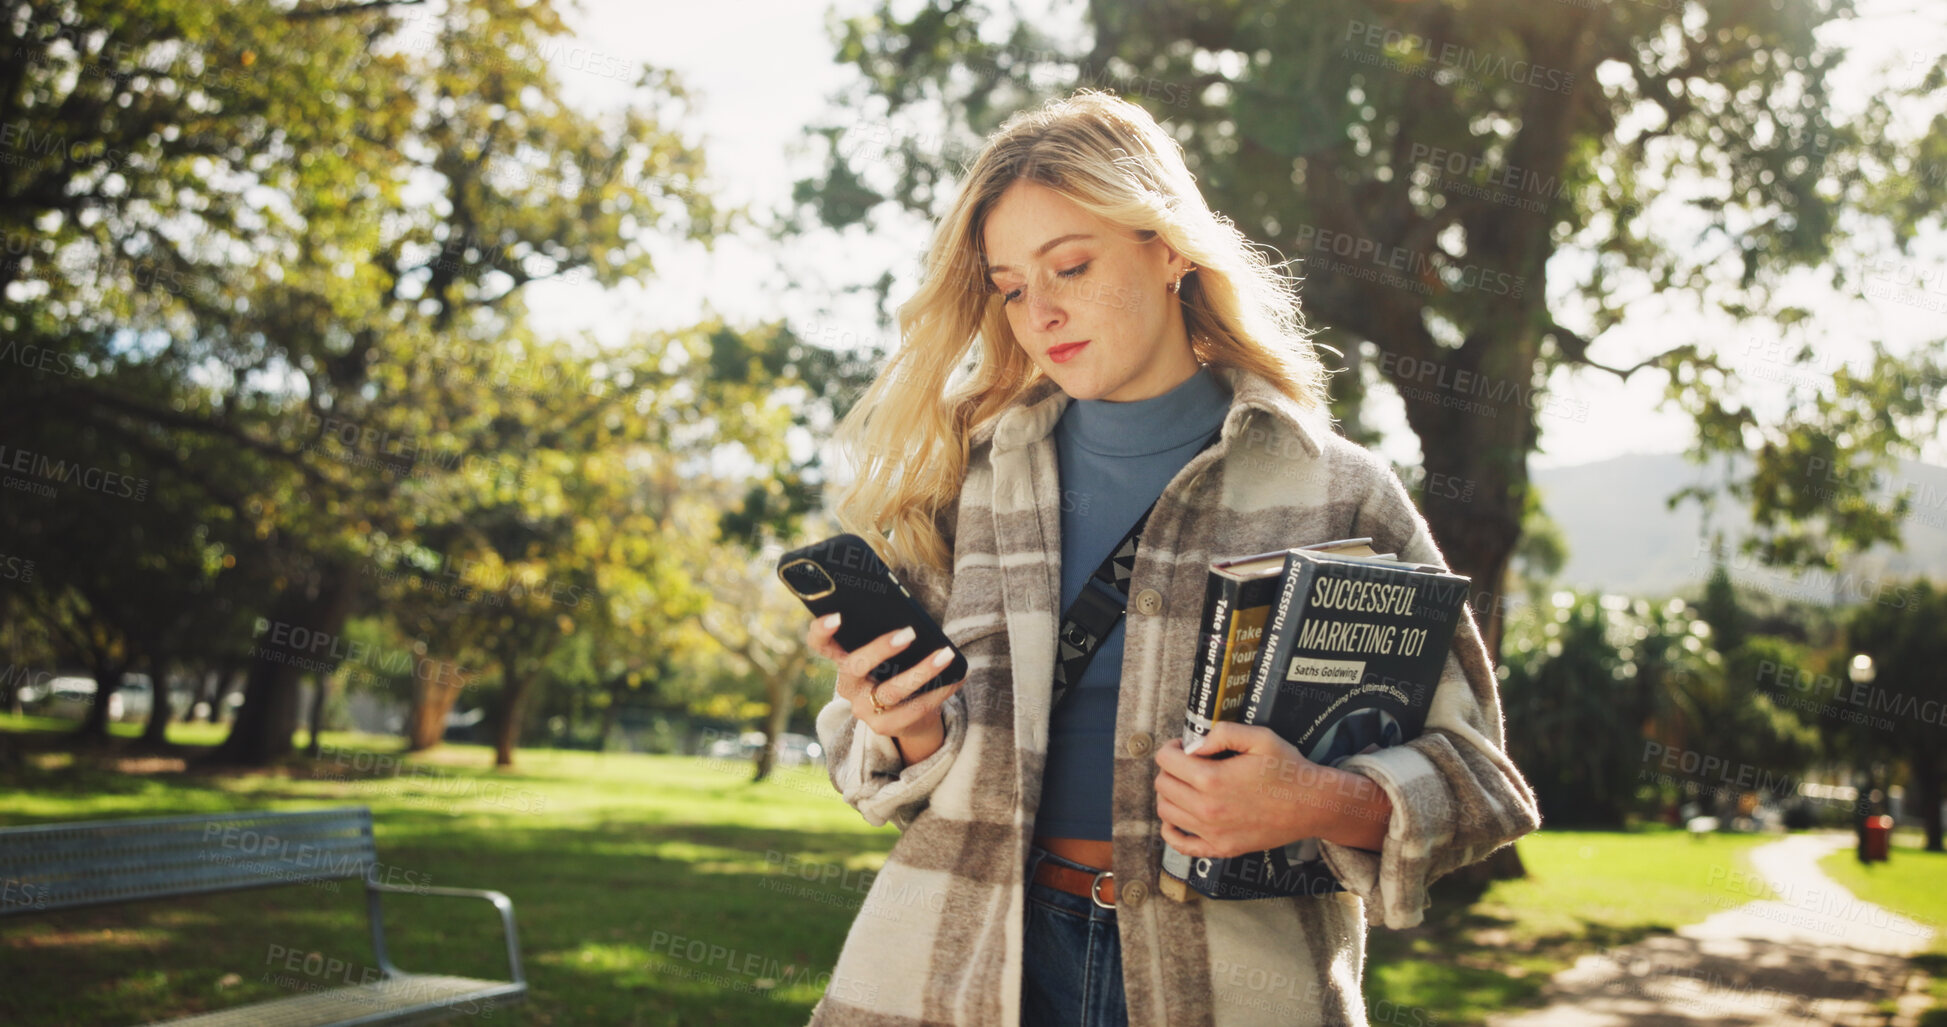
<point x="1623" y="538"/>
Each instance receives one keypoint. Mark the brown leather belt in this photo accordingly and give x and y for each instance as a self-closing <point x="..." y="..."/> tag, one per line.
<point x="1098" y="886"/>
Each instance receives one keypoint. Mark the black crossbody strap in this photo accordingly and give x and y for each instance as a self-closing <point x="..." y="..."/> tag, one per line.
<point x="1101" y="602"/>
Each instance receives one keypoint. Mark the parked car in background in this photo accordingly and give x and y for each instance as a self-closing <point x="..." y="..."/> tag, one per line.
<point x="69" y="698"/>
<point x="792" y="749"/>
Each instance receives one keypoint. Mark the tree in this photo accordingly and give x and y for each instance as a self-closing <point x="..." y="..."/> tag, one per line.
<point x="1562" y="685"/>
<point x="1905" y="648"/>
<point x="1426" y="161"/>
<point x="144" y="258"/>
<point x="1604" y="684"/>
<point x="762" y="627"/>
<point x="532" y="190"/>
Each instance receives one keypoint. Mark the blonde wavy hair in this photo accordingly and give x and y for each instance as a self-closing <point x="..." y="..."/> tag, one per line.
<point x="908" y="436"/>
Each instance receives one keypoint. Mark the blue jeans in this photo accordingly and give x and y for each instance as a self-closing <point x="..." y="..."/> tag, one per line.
<point x="1071" y="969"/>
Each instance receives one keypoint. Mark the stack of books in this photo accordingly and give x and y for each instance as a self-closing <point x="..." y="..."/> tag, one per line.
<point x="1335" y="647"/>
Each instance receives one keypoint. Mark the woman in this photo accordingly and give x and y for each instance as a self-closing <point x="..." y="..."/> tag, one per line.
<point x="1106" y="326"/>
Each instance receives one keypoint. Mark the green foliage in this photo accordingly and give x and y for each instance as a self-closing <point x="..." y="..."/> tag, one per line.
<point x="1720" y="609"/>
<point x="1904" y="695"/>
<point x="1593" y="681"/>
<point x="268" y="267"/>
<point x="1543" y="549"/>
<point x="1815" y="491"/>
<point x="1563" y="682"/>
<point x="1907" y="648"/>
<point x="1427" y="161"/>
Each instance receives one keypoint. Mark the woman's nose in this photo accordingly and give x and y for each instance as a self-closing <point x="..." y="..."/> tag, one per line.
<point x="1047" y="315"/>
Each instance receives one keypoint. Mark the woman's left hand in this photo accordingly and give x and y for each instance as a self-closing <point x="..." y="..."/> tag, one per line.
<point x="1266" y="795"/>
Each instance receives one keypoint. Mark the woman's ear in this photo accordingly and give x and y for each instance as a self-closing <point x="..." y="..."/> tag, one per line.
<point x="1175" y="264"/>
<point x="1176" y="270"/>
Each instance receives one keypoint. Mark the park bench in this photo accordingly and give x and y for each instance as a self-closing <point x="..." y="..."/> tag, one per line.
<point x="115" y="862"/>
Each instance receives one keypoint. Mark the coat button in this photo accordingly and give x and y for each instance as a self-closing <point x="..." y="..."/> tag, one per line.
<point x="1131" y="894"/>
<point x="1149" y="602"/>
<point x="1140" y="743"/>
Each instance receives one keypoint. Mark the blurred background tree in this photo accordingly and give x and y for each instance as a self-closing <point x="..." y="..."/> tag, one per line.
<point x="1462" y="147"/>
<point x="269" y="264"/>
<point x="1895" y="671"/>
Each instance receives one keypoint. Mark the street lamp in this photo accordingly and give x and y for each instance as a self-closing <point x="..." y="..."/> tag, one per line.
<point x="1862" y="672"/>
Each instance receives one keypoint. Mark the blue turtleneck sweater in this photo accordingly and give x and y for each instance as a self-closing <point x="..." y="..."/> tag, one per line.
<point x="1115" y="459"/>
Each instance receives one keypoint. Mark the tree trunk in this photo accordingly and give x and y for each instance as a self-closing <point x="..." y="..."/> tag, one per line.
<point x="434" y="695"/>
<point x="156" y="731"/>
<point x="513" y="696"/>
<point x="1925" y="763"/>
<point x="612" y="713"/>
<point x="17" y="676"/>
<point x="267" y="721"/>
<point x="507" y="732"/>
<point x="222" y="682"/>
<point x="94" y="724"/>
<point x="777" y="688"/>
<point x="214" y="685"/>
<point x="1476" y="486"/>
<point x="233" y="684"/>
<point x="261" y="734"/>
<point x="14" y="680"/>
<point x="319" y="693"/>
<point x="200" y="697"/>
<point x="1476" y="463"/>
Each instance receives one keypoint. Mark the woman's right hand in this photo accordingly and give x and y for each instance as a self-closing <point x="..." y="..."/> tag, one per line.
<point x="914" y="723"/>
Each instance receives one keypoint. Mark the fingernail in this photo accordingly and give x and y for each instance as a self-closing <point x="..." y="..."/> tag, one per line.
<point x="831" y="620"/>
<point x="905" y="635"/>
<point x="943" y="657"/>
<point x="1195" y="743"/>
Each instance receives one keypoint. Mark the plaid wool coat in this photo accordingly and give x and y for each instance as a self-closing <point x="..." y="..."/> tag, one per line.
<point x="938" y="938"/>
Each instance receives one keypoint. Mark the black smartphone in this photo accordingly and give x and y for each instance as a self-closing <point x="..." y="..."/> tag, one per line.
<point x="843" y="575"/>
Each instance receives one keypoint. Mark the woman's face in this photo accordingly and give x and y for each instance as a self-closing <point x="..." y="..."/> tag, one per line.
<point x="1089" y="304"/>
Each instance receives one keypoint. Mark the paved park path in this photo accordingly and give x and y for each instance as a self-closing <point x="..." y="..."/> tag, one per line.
<point x="1815" y="955"/>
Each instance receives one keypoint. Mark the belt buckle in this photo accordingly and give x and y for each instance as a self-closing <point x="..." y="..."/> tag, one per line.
<point x="1095" y="889"/>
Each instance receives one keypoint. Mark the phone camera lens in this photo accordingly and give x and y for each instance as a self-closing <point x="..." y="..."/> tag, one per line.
<point x="807" y="579"/>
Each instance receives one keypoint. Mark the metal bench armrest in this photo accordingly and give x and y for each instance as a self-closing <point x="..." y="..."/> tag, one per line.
<point x="500" y="902"/>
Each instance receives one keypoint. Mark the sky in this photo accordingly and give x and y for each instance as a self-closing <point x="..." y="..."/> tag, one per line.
<point x="761" y="71"/>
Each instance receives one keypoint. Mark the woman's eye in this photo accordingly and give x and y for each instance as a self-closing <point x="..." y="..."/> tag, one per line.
<point x="1073" y="272"/>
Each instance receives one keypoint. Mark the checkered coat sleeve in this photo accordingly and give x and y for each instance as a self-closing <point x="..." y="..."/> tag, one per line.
<point x="938" y="939"/>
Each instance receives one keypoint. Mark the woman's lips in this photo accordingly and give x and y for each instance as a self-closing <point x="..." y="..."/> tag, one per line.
<point x="1060" y="354"/>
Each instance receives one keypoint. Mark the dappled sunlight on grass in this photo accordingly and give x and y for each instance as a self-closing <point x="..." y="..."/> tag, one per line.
<point x="659" y="889"/>
<point x="601" y="854"/>
<point x="1912" y="883"/>
<point x="1585" y="891"/>
<point x="1646" y="881"/>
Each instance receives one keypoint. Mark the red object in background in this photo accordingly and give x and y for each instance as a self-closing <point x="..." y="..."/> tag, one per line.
<point x="1879" y="836"/>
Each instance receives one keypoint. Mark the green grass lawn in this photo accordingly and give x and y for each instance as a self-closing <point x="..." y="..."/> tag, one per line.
<point x="609" y="860"/>
<point x="1912" y="883"/>
<point x="1585" y="891"/>
<point x="179" y="733"/>
<point x="618" y="863"/>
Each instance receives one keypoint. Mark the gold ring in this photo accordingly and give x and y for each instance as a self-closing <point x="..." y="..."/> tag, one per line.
<point x="876" y="707"/>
